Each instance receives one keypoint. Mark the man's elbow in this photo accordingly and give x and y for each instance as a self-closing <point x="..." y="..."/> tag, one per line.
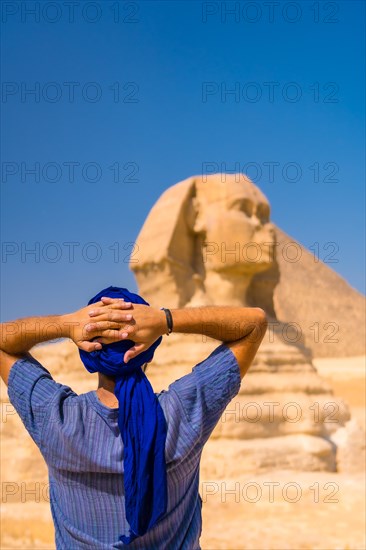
<point x="261" y="315"/>
<point x="261" y="321"/>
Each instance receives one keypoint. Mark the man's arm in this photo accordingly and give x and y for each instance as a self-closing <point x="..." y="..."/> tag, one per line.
<point x="19" y="336"/>
<point x="242" y="329"/>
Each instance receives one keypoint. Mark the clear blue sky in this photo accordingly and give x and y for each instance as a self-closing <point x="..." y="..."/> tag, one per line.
<point x="299" y="77"/>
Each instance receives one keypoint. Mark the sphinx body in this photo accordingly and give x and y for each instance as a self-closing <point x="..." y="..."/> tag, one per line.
<point x="208" y="240"/>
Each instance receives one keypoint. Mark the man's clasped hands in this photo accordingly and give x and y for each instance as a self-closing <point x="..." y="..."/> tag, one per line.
<point x="112" y="320"/>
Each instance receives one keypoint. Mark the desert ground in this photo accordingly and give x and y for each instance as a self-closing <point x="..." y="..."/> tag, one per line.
<point x="313" y="521"/>
<point x="275" y="511"/>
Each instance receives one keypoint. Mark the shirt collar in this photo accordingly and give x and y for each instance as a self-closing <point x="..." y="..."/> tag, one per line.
<point x="100" y="407"/>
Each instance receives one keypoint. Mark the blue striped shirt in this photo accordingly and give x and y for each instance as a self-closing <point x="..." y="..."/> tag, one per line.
<point x="80" y="441"/>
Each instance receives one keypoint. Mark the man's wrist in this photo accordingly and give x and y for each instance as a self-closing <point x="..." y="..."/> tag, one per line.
<point x="163" y="324"/>
<point x="168" y="320"/>
<point x="68" y="325"/>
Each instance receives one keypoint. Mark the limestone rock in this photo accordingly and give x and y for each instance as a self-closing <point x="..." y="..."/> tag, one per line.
<point x="291" y="452"/>
<point x="350" y="442"/>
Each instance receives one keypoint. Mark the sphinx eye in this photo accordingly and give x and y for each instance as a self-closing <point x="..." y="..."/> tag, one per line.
<point x="263" y="212"/>
<point x="245" y="205"/>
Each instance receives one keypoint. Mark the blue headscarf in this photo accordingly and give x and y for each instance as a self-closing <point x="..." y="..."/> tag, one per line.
<point x="141" y="422"/>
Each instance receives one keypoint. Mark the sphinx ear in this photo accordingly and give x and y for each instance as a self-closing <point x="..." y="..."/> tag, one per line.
<point x="165" y="256"/>
<point x="195" y="218"/>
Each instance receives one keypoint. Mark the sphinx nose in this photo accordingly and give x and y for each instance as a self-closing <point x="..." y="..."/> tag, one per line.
<point x="271" y="231"/>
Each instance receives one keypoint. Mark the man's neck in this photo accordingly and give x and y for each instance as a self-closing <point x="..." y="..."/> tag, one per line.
<point x="105" y="391"/>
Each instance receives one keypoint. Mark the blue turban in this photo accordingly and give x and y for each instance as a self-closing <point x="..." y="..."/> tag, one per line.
<point x="141" y="422"/>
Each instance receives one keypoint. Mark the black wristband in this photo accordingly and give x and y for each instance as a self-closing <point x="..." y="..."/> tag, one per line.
<point x="169" y="319"/>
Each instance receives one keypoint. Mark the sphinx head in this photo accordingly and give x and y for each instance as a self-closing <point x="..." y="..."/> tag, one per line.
<point x="203" y="241"/>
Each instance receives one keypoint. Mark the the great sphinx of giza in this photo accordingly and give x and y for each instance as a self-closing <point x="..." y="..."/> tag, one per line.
<point x="208" y="240"/>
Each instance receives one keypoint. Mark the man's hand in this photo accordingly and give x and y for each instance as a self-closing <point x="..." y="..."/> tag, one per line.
<point x="145" y="327"/>
<point x="79" y="329"/>
<point x="19" y="336"/>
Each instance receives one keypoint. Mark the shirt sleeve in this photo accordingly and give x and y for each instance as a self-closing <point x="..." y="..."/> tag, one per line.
<point x="205" y="392"/>
<point x="31" y="389"/>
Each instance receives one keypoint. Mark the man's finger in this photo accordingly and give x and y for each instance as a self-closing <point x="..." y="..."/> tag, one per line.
<point x="134" y="351"/>
<point x="119" y="304"/>
<point x="111" y="336"/>
<point x="89" y="346"/>
<point x="98" y="304"/>
<point x="115" y="302"/>
<point x="102" y="310"/>
<point x="116" y="317"/>
<point x="97" y="327"/>
<point x="109" y="300"/>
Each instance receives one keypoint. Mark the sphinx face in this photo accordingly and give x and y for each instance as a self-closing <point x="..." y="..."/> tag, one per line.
<point x="239" y="237"/>
<point x="213" y="227"/>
